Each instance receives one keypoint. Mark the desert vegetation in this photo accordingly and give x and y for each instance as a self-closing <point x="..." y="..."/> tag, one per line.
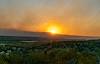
<point x="69" y="52"/>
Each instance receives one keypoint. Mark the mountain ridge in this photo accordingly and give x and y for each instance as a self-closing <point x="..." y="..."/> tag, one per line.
<point x="19" y="33"/>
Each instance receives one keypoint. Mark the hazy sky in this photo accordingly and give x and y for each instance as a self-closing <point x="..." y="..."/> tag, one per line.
<point x="77" y="17"/>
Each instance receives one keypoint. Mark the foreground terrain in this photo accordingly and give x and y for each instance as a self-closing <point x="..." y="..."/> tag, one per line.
<point x="64" y="52"/>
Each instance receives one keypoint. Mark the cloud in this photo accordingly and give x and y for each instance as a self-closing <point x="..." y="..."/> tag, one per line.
<point x="79" y="16"/>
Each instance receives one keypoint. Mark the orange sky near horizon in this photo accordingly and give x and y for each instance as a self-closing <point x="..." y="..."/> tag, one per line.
<point x="71" y="17"/>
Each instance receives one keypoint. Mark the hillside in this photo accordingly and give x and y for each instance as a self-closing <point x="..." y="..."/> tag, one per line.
<point x="25" y="35"/>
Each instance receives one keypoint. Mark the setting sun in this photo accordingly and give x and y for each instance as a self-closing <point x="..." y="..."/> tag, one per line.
<point x="54" y="30"/>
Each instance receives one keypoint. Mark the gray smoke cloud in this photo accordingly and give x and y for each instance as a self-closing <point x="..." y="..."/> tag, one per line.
<point x="80" y="16"/>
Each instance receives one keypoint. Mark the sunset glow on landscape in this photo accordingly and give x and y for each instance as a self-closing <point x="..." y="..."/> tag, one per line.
<point x="49" y="31"/>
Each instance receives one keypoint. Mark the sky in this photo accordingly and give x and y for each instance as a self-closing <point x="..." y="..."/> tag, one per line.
<point x="74" y="17"/>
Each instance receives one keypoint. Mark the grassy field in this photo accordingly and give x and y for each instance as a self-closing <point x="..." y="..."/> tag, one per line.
<point x="69" y="52"/>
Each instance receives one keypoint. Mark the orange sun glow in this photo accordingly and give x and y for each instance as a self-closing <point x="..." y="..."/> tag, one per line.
<point x="54" y="30"/>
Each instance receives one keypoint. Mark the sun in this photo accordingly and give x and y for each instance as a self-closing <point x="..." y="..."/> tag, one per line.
<point x="53" y="30"/>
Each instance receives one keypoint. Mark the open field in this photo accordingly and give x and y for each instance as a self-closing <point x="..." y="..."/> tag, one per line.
<point x="64" y="52"/>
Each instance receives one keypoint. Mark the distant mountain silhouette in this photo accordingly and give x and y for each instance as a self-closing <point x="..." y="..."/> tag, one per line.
<point x="40" y="35"/>
<point x="12" y="32"/>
